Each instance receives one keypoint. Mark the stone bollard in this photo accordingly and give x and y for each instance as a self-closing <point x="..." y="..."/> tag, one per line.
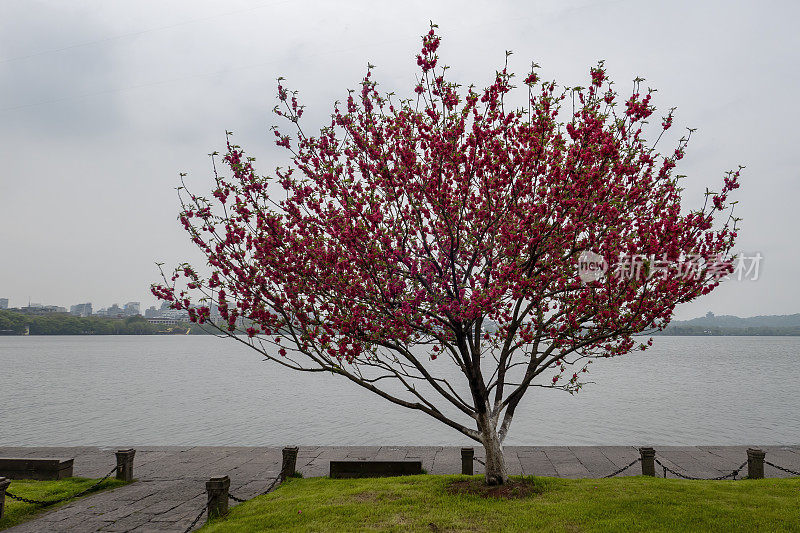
<point x="125" y="464"/>
<point x="755" y="463"/>
<point x="4" y="483"/>
<point x="217" y="489"/>
<point x="289" y="464"/>
<point x="648" y="456"/>
<point x="467" y="460"/>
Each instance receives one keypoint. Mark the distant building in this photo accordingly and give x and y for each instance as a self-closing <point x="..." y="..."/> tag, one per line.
<point x="166" y="321"/>
<point x="178" y="314"/>
<point x="115" y="311"/>
<point x="3" y="303"/>
<point x="82" y="310"/>
<point x="39" y="309"/>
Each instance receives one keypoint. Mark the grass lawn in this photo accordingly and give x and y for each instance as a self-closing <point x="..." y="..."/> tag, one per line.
<point x="427" y="503"/>
<point x="17" y="512"/>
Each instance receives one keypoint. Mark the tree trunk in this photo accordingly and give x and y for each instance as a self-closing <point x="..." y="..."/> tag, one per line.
<point x="495" y="462"/>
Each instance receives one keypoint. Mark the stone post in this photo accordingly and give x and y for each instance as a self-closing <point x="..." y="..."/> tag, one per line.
<point x="4" y="483"/>
<point x="467" y="460"/>
<point x="289" y="464"/>
<point x="755" y="463"/>
<point x="125" y="464"/>
<point x="648" y="456"/>
<point x="217" y="489"/>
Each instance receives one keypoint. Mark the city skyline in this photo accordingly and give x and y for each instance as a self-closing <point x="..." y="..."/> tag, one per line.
<point x="11" y="304"/>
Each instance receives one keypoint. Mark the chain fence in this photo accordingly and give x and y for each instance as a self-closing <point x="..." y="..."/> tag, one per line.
<point x="271" y="486"/>
<point x="793" y="472"/>
<point x="194" y="522"/>
<point x="624" y="468"/>
<point x="46" y="503"/>
<point x="234" y="498"/>
<point x="731" y="474"/>
<point x="267" y="491"/>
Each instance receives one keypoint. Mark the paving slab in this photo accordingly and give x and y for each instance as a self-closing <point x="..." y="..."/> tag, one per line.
<point x="566" y="462"/>
<point x="594" y="460"/>
<point x="536" y="463"/>
<point x="621" y="456"/>
<point x="683" y="458"/>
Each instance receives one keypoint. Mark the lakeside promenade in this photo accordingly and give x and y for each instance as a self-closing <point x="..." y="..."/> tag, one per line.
<point x="170" y="487"/>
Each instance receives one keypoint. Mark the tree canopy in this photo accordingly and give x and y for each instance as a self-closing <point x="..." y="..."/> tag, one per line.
<point x="453" y="224"/>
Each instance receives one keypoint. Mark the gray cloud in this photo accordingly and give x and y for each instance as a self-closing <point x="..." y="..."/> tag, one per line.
<point x="124" y="99"/>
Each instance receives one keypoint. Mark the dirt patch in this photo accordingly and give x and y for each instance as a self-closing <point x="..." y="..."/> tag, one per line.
<point x="513" y="489"/>
<point x="365" y="497"/>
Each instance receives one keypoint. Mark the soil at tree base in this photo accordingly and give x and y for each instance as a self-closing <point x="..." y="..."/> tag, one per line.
<point x="511" y="489"/>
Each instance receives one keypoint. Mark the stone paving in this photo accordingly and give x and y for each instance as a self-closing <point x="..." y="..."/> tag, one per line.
<point x="170" y="488"/>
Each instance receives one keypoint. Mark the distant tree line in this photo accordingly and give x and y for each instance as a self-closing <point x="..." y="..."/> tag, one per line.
<point x="12" y="323"/>
<point x="764" y="331"/>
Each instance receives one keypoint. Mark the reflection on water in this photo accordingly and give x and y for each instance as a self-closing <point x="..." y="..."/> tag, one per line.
<point x="208" y="391"/>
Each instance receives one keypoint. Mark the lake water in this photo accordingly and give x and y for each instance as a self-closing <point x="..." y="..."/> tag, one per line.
<point x="184" y="390"/>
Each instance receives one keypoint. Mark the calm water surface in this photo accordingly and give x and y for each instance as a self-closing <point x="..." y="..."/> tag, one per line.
<point x="182" y="390"/>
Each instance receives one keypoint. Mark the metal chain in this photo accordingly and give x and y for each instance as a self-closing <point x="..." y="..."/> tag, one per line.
<point x="718" y="478"/>
<point x="188" y="529"/>
<point x="667" y="469"/>
<point x="53" y="502"/>
<point x="782" y="468"/>
<point x="623" y="468"/>
<point x="271" y="486"/>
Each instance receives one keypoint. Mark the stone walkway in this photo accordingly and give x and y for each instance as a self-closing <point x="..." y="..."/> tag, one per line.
<point x="170" y="491"/>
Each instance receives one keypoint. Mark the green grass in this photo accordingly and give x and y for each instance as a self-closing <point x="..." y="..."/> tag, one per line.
<point x="423" y="503"/>
<point x="16" y="512"/>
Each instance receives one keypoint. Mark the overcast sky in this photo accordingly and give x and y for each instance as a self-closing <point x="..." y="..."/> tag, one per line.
<point x="103" y="103"/>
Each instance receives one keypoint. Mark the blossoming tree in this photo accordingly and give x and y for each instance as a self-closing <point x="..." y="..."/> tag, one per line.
<point x="451" y="225"/>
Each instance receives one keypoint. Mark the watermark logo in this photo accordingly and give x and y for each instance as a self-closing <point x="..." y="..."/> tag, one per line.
<point x="744" y="266"/>
<point x="747" y="267"/>
<point x="591" y="266"/>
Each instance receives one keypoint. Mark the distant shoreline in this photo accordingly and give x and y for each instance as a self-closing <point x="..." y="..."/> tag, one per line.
<point x="13" y="323"/>
<point x="17" y="324"/>
<point x="726" y="333"/>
